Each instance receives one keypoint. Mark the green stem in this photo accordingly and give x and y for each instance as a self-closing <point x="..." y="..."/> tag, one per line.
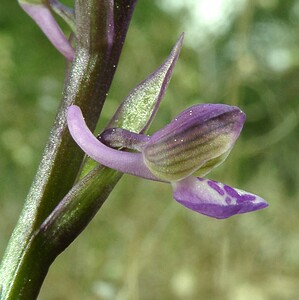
<point x="25" y="263"/>
<point x="46" y="243"/>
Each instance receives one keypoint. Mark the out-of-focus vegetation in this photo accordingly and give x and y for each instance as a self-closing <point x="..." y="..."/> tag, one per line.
<point x="142" y="244"/>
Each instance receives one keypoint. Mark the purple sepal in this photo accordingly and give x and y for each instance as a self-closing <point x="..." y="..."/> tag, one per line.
<point x="44" y="19"/>
<point x="199" y="136"/>
<point x="215" y="199"/>
<point x="208" y="117"/>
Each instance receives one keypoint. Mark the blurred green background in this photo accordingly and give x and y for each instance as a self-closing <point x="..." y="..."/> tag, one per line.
<point x="142" y="244"/>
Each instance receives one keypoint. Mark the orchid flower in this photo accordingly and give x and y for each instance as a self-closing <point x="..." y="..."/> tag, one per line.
<point x="196" y="141"/>
<point x="40" y="12"/>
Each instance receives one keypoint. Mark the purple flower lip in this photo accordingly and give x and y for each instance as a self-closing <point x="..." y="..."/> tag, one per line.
<point x="214" y="199"/>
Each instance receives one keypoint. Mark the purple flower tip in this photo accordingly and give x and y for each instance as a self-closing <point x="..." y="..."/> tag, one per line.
<point x="215" y="199"/>
<point x="42" y="16"/>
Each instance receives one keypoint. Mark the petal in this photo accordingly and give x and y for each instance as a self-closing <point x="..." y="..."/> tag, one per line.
<point x="196" y="136"/>
<point x="122" y="138"/>
<point x="211" y="164"/>
<point x="215" y="199"/>
<point x="41" y="14"/>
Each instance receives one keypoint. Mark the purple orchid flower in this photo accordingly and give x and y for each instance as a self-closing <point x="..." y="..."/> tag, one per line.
<point x="43" y="17"/>
<point x="196" y="141"/>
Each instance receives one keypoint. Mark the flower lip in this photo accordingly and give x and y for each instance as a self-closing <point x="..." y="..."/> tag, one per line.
<point x="215" y="199"/>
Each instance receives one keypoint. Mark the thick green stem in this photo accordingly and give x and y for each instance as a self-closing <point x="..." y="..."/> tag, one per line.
<point x="25" y="265"/>
<point x="46" y="243"/>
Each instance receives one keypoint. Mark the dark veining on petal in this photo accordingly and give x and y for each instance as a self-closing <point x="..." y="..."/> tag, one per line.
<point x="196" y="139"/>
<point x="216" y="187"/>
<point x="246" y="197"/>
<point x="231" y="192"/>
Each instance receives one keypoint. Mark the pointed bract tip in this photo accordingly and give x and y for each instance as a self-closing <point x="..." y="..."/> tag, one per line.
<point x="181" y="38"/>
<point x="138" y="109"/>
